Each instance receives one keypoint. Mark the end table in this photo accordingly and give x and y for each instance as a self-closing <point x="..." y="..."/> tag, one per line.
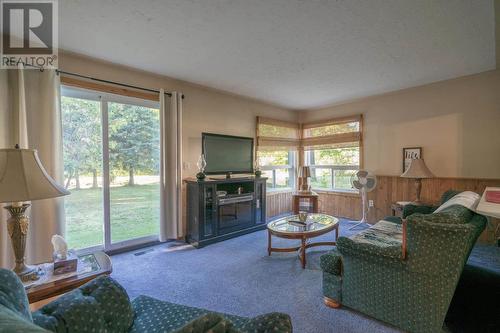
<point x="90" y="267"/>
<point x="311" y="197"/>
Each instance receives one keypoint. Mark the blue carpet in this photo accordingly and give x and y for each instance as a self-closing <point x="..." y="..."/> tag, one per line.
<point x="237" y="277"/>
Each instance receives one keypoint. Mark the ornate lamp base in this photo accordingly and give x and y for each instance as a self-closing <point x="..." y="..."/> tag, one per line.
<point x="17" y="227"/>
<point x="27" y="273"/>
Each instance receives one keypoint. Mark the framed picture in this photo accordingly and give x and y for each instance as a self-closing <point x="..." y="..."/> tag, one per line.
<point x="409" y="154"/>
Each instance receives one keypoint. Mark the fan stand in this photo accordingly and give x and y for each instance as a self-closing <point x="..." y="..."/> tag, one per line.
<point x="363" y="218"/>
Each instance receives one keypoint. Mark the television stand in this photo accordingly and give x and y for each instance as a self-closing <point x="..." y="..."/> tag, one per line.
<point x="212" y="218"/>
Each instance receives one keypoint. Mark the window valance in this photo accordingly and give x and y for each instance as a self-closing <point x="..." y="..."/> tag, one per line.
<point x="342" y="132"/>
<point x="275" y="134"/>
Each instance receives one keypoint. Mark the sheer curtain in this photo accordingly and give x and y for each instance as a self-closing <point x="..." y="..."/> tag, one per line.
<point x="171" y="222"/>
<point x="30" y="115"/>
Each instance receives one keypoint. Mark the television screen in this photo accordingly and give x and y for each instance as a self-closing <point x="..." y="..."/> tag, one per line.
<point x="225" y="153"/>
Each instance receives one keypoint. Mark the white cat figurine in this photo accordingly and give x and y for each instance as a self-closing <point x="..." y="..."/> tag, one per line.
<point x="60" y="247"/>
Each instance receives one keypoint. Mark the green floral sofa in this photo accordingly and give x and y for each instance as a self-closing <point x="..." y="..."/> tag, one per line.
<point x="103" y="306"/>
<point x="369" y="272"/>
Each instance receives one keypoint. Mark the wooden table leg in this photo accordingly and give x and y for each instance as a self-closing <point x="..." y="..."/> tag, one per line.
<point x="303" y="252"/>
<point x="268" y="242"/>
<point x="315" y="204"/>
<point x="296" y="204"/>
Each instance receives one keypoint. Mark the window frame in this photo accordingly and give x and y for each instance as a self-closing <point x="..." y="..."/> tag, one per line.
<point x="291" y="167"/>
<point x="332" y="168"/>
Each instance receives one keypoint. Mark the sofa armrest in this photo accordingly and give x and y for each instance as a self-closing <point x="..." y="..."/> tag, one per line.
<point x="389" y="253"/>
<point x="98" y="306"/>
<point x="331" y="262"/>
<point x="422" y="209"/>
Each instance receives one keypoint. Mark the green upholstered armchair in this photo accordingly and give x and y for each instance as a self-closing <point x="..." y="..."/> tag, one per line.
<point x="411" y="291"/>
<point x="103" y="306"/>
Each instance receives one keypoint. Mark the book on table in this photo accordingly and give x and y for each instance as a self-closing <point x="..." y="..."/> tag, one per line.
<point x="493" y="196"/>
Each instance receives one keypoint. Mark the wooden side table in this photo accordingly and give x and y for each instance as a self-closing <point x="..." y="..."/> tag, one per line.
<point x="312" y="197"/>
<point x="40" y="293"/>
<point x="397" y="209"/>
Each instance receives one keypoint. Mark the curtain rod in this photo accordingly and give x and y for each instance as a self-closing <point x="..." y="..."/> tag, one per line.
<point x="58" y="71"/>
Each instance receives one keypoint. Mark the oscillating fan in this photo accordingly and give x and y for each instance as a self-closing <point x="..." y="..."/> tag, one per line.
<point x="364" y="182"/>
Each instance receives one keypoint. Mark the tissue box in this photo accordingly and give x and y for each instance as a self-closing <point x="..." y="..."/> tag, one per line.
<point x="68" y="265"/>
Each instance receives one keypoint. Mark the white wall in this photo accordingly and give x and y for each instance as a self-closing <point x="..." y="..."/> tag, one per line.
<point x="456" y="122"/>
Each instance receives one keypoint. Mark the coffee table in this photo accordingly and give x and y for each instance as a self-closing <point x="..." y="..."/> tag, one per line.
<point x="317" y="225"/>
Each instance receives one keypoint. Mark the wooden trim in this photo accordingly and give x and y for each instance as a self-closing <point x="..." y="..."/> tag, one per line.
<point x="403" y="244"/>
<point x="277" y="192"/>
<point x="342" y="193"/>
<point x="69" y="81"/>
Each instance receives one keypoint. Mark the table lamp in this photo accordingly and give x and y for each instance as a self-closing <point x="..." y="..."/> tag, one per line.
<point x="23" y="178"/>
<point x="417" y="170"/>
<point x="304" y="180"/>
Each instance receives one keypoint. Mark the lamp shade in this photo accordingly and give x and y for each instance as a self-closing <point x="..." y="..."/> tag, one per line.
<point x="304" y="172"/>
<point x="23" y="178"/>
<point x="417" y="169"/>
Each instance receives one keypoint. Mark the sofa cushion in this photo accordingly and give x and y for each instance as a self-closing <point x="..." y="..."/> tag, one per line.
<point x="101" y="305"/>
<point x="208" y="323"/>
<point x="153" y="314"/>
<point x="12" y="294"/>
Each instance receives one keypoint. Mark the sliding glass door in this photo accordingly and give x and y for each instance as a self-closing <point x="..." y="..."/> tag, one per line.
<point x="134" y="168"/>
<point x="112" y="162"/>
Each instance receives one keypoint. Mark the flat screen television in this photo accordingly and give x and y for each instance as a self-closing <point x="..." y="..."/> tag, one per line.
<point x="227" y="154"/>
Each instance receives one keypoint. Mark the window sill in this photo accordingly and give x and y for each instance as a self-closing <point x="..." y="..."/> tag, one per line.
<point x="339" y="192"/>
<point x="279" y="190"/>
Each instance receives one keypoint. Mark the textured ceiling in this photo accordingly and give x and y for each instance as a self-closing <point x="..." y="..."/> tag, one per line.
<point x="297" y="54"/>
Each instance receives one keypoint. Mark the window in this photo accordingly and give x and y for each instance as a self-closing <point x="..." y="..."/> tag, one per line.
<point x="277" y="142"/>
<point x="333" y="151"/>
<point x="332" y="168"/>
<point x="278" y="167"/>
<point x="111" y="163"/>
<point x="332" y="148"/>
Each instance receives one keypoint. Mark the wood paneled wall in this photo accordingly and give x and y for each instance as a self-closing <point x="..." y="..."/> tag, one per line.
<point x="278" y="203"/>
<point x="389" y="189"/>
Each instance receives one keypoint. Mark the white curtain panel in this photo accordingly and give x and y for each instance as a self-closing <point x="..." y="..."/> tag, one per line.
<point x="171" y="225"/>
<point x="31" y="116"/>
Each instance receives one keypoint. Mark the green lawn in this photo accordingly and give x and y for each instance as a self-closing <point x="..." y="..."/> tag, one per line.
<point x="135" y="212"/>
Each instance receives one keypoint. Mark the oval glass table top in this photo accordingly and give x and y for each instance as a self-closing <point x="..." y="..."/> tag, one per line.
<point x="314" y="223"/>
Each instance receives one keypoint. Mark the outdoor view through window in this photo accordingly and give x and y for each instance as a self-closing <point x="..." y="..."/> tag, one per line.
<point x="111" y="166"/>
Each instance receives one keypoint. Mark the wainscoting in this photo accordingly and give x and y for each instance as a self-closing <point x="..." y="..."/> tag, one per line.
<point x="278" y="203"/>
<point x="389" y="189"/>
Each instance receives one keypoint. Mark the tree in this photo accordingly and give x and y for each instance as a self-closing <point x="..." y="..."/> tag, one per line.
<point x="134" y="139"/>
<point x="81" y="138"/>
